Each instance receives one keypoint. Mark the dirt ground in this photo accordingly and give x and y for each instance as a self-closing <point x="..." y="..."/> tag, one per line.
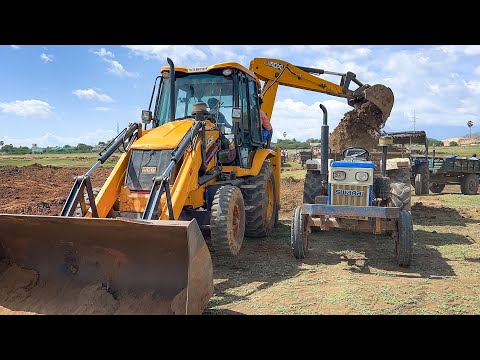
<point x="344" y="272"/>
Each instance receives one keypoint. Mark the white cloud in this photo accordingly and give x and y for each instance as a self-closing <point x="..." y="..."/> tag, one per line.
<point x="472" y="50"/>
<point x="102" y="108"/>
<point x="27" y="108"/>
<point x="302" y="121"/>
<point x="46" y="57"/>
<point x="178" y="53"/>
<point x="16" y="47"/>
<point x="476" y="71"/>
<point x="91" y="94"/>
<point x="117" y="69"/>
<point x="48" y="139"/>
<point x="104" y="53"/>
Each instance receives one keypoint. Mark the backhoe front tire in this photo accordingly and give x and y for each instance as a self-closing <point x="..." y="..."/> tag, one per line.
<point x="259" y="193"/>
<point x="227" y="221"/>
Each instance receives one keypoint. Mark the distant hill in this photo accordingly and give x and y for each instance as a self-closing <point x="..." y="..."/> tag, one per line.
<point x="475" y="135"/>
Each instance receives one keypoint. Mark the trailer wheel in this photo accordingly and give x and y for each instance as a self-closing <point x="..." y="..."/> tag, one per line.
<point x="436" y="188"/>
<point x="404" y="240"/>
<point x="227" y="221"/>
<point x="469" y="185"/>
<point x="299" y="234"/>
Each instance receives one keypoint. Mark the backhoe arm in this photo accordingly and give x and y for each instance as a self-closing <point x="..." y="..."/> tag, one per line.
<point x="276" y="72"/>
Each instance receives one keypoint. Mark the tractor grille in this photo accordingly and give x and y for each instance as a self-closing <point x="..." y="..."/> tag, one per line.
<point x="343" y="198"/>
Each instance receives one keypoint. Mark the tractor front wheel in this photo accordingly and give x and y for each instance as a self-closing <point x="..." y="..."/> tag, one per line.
<point x="299" y="234"/>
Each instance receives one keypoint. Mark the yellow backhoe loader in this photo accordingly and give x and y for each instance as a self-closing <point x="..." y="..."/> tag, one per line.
<point x="183" y="168"/>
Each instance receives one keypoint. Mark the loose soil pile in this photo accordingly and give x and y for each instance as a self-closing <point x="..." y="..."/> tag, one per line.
<point x="40" y="190"/>
<point x="22" y="291"/>
<point x="358" y="127"/>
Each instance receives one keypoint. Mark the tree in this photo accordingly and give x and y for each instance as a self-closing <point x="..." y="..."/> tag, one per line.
<point x="1" y="143"/>
<point x="84" y="148"/>
<point x="453" y="143"/>
<point x="435" y="142"/>
<point x="470" y="124"/>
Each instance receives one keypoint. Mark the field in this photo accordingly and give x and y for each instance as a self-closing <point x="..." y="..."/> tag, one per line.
<point x="344" y="273"/>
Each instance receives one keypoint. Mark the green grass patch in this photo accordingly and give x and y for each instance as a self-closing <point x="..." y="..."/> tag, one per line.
<point x="64" y="160"/>
<point x="458" y="201"/>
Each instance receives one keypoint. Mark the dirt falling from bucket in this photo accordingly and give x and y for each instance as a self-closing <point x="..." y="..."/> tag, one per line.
<point x="358" y="127"/>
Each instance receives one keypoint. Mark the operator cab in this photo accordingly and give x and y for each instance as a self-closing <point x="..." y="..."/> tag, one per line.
<point x="356" y="153"/>
<point x="231" y="94"/>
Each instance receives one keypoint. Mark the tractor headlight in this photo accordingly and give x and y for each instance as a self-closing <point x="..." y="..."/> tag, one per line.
<point x="361" y="176"/>
<point x="339" y="175"/>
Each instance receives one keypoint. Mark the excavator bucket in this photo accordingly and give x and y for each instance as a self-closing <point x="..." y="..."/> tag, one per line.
<point x="68" y="265"/>
<point x="382" y="97"/>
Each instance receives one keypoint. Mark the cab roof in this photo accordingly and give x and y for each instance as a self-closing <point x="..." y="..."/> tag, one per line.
<point x="206" y="69"/>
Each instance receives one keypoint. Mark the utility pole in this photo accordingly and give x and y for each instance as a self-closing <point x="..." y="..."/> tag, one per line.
<point x="414" y="120"/>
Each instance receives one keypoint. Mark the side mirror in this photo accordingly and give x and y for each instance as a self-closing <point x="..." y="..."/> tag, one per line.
<point x="146" y="116"/>
<point x="236" y="114"/>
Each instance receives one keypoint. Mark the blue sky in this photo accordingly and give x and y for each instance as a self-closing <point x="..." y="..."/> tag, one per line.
<point x="67" y="94"/>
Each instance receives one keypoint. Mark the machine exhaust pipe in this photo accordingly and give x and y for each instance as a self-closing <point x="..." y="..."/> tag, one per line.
<point x="172" y="89"/>
<point x="324" y="150"/>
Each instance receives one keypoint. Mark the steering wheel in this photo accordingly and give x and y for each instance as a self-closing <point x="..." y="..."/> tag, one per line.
<point x="356" y="152"/>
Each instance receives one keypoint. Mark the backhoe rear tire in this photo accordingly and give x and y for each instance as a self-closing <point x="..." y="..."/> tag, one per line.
<point x="259" y="194"/>
<point x="469" y="184"/>
<point x="227" y="221"/>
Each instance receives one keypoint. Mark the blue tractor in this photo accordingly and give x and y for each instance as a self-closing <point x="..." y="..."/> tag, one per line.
<point x="352" y="194"/>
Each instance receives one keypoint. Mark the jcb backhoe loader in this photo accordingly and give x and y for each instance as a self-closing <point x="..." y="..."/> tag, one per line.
<point x="140" y="235"/>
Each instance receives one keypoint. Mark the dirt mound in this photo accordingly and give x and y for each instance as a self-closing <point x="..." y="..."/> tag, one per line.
<point x="40" y="190"/>
<point x="24" y="292"/>
<point x="358" y="127"/>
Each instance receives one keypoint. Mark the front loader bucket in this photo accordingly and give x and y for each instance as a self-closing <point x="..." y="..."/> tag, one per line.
<point x="382" y="97"/>
<point x="68" y="265"/>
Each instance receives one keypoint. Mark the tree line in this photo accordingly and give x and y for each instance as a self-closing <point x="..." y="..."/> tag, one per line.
<point x="66" y="149"/>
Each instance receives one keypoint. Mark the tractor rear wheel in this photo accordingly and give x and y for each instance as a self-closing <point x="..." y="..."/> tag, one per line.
<point x="227" y="221"/>
<point x="422" y="187"/>
<point x="400" y="190"/>
<point x="469" y="185"/>
<point x="299" y="234"/>
<point x="404" y="240"/>
<point x="418" y="184"/>
<point x="259" y="193"/>
<point x="436" y="188"/>
<point x="312" y="187"/>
